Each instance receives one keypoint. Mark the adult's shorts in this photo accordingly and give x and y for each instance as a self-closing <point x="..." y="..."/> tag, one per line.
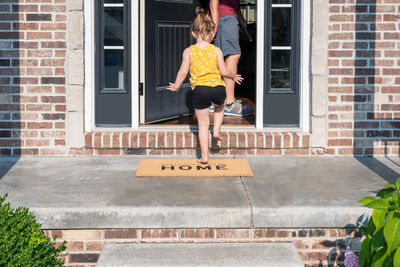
<point x="204" y="96"/>
<point x="227" y="37"/>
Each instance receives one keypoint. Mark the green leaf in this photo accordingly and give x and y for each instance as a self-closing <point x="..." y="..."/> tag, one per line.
<point x="367" y="200"/>
<point x="379" y="257"/>
<point x="380" y="204"/>
<point x="378" y="240"/>
<point x="386" y="192"/>
<point x="396" y="199"/>
<point x="396" y="259"/>
<point x="392" y="234"/>
<point x="398" y="183"/>
<point x="370" y="229"/>
<point x="391" y="186"/>
<point x="390" y="216"/>
<point x="388" y="261"/>
<point x="366" y="251"/>
<point x="378" y="216"/>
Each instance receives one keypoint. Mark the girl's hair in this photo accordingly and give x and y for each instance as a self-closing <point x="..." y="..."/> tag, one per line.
<point x="203" y="24"/>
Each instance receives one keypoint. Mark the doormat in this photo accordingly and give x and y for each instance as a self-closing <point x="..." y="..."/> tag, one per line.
<point x="158" y="168"/>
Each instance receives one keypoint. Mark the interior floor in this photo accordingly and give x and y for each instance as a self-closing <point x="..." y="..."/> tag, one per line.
<point x="228" y="120"/>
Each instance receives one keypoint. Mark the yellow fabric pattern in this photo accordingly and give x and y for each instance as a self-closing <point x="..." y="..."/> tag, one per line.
<point x="203" y="67"/>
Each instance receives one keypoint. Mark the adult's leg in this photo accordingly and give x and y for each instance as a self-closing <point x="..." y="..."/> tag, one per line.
<point x="218" y="119"/>
<point x="204" y="123"/>
<point x="232" y="64"/>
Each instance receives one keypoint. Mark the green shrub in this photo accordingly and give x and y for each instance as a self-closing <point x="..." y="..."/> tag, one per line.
<point x="381" y="246"/>
<point x="22" y="243"/>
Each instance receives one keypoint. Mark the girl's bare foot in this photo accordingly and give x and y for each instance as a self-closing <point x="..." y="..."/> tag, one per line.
<point x="203" y="160"/>
<point x="217" y="137"/>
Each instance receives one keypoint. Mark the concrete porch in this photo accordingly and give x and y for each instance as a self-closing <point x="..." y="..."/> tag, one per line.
<point x="103" y="192"/>
<point x="96" y="202"/>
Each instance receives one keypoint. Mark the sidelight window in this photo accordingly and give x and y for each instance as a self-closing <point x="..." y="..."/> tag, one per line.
<point x="113" y="105"/>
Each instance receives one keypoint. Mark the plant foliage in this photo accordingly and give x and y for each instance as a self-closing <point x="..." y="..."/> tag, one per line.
<point x="381" y="246"/>
<point x="22" y="243"/>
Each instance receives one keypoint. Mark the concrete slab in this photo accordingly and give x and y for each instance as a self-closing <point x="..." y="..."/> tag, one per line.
<point x="201" y="254"/>
<point x="317" y="191"/>
<point x="102" y="192"/>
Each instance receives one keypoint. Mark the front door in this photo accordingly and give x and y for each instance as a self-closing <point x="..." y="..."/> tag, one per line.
<point x="167" y="34"/>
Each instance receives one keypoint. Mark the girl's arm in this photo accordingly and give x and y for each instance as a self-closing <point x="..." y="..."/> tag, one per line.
<point x="224" y="70"/>
<point x="183" y="71"/>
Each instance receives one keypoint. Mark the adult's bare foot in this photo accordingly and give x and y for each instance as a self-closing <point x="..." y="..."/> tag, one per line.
<point x="203" y="160"/>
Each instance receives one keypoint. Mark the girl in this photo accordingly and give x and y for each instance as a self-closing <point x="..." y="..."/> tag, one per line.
<point x="206" y="64"/>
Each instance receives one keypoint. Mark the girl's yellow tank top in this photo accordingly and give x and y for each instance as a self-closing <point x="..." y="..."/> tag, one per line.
<point x="204" y="67"/>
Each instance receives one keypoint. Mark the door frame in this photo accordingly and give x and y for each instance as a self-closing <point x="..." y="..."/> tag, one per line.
<point x="89" y="93"/>
<point x="305" y="72"/>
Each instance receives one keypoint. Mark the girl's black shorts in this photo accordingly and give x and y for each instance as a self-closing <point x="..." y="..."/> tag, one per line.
<point x="204" y="96"/>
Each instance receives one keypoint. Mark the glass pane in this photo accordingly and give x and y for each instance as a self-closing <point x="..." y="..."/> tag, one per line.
<point x="281" y="1"/>
<point x="280" y="68"/>
<point x="281" y="20"/>
<point x="114" y="68"/>
<point x="113" y="26"/>
<point x="113" y="1"/>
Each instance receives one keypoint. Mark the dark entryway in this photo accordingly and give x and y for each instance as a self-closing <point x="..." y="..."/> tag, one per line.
<point x="167" y="33"/>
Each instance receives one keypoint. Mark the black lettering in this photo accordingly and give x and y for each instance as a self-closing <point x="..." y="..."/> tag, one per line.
<point x="163" y="167"/>
<point x="185" y="167"/>
<point x="221" y="167"/>
<point x="204" y="168"/>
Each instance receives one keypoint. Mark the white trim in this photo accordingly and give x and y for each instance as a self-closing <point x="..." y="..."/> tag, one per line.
<point x="113" y="47"/>
<point x="305" y="66"/>
<point x="282" y="5"/>
<point x="304" y="75"/>
<point x="281" y="48"/>
<point x="135" y="63"/>
<point x="89" y="65"/>
<point x="113" y="5"/>
<point x="260" y="66"/>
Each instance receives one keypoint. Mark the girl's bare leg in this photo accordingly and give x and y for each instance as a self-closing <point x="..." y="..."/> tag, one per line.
<point x="204" y="124"/>
<point x="218" y="119"/>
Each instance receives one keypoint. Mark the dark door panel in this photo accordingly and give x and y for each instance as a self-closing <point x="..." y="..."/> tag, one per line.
<point x="282" y="63"/>
<point x="112" y="56"/>
<point x="167" y="34"/>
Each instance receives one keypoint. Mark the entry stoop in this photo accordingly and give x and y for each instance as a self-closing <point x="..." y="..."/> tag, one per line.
<point x="200" y="254"/>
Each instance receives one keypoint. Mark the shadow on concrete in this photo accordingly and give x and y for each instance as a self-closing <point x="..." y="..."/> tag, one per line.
<point x="352" y="242"/>
<point x="6" y="165"/>
<point x="370" y="127"/>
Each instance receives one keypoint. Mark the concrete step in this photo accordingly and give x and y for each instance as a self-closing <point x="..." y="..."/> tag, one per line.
<point x="200" y="254"/>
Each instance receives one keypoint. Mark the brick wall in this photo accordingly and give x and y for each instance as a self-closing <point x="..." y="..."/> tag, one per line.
<point x="363" y="110"/>
<point x="364" y="77"/>
<point x="248" y="142"/>
<point x="316" y="247"/>
<point x="32" y="77"/>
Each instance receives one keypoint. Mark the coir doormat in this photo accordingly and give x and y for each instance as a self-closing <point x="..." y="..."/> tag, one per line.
<point x="191" y="168"/>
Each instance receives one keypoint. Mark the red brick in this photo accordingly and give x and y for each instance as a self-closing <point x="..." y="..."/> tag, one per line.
<point x="125" y="139"/>
<point x="269" y="152"/>
<point x="233" y="233"/>
<point x="197" y="233"/>
<point x="116" y="140"/>
<point x="120" y="234"/>
<point x="158" y="233"/>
